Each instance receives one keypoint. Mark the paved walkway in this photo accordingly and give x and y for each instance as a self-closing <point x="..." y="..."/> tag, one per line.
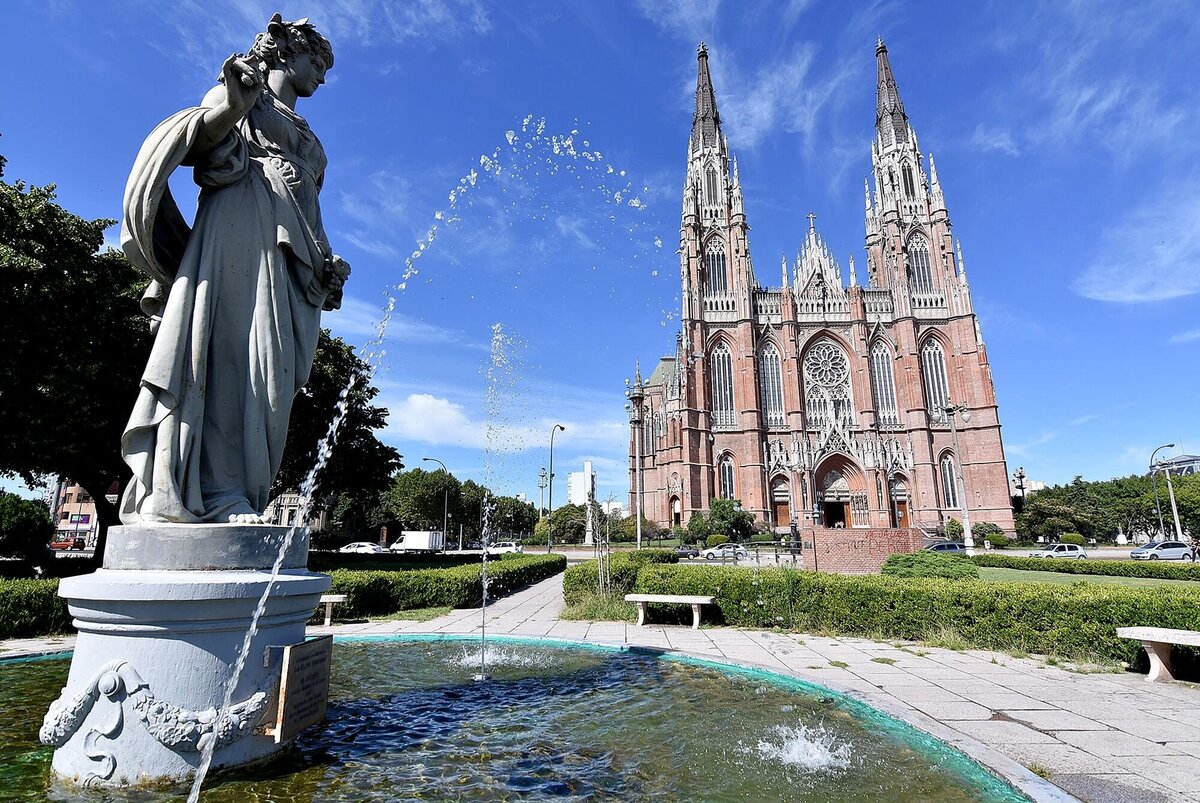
<point x="1101" y="737"/>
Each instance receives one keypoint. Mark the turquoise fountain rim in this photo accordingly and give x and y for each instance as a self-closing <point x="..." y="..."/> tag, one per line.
<point x="949" y="757"/>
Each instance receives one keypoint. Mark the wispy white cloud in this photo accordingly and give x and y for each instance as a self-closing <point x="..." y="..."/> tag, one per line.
<point x="988" y="139"/>
<point x="573" y="227"/>
<point x="358" y="320"/>
<point x="690" y="19"/>
<point x="1184" y="337"/>
<point x="1026" y="448"/>
<point x="1079" y="421"/>
<point x="1153" y="254"/>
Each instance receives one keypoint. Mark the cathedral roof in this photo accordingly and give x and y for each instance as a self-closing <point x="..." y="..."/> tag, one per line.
<point x="662" y="371"/>
<point x="890" y="120"/>
<point x="706" y="122"/>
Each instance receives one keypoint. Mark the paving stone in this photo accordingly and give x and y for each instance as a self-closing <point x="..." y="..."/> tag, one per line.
<point x="1056" y="720"/>
<point x="1059" y="758"/>
<point x="1002" y="700"/>
<point x="1113" y="788"/>
<point x="952" y="711"/>
<point x="1002" y="733"/>
<point x="1109" y="743"/>
<point x="1177" y="773"/>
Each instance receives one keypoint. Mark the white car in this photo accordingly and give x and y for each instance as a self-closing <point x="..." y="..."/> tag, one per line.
<point x="722" y="551"/>
<point x="1059" y="551"/>
<point x="362" y="548"/>
<point x="505" y="548"/>
<point x="1163" y="550"/>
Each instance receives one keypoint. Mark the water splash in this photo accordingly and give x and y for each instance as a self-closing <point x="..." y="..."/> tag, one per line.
<point x="807" y="749"/>
<point x="530" y="141"/>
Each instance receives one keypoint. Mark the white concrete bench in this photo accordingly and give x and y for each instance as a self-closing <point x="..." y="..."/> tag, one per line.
<point x="643" y="599"/>
<point x="328" y="601"/>
<point x="1158" y="641"/>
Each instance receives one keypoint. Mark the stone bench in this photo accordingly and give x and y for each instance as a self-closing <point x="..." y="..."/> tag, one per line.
<point x="643" y="599"/>
<point x="1158" y="641"/>
<point x="328" y="601"/>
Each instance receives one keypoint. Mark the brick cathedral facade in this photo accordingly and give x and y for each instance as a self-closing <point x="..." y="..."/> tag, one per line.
<point x="820" y="402"/>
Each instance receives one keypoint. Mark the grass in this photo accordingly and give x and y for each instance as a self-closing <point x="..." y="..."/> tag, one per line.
<point x="1025" y="576"/>
<point x="413" y="615"/>
<point x="888" y="661"/>
<point x="839" y="664"/>
<point x="948" y="639"/>
<point x="1040" y="771"/>
<point x="601" y="608"/>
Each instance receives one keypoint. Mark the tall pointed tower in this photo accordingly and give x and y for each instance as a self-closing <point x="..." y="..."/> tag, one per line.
<point x="818" y="403"/>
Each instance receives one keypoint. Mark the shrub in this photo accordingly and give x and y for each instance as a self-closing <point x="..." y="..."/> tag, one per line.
<point x="32" y="608"/>
<point x="954" y="530"/>
<point x="1112" y="568"/>
<point x="583" y="579"/>
<point x="381" y="592"/>
<point x="984" y="529"/>
<point x="1068" y="620"/>
<point x="929" y="564"/>
<point x="716" y="540"/>
<point x="1071" y="538"/>
<point x="997" y="540"/>
<point x="764" y="538"/>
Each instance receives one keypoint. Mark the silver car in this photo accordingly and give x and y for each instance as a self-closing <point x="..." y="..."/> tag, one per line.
<point x="1163" y="550"/>
<point x="735" y="551"/>
<point x="1059" y="551"/>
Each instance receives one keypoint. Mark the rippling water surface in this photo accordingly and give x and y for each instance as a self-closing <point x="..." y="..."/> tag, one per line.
<point x="407" y="723"/>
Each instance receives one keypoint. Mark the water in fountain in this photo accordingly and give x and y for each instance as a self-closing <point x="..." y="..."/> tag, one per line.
<point x="530" y="150"/>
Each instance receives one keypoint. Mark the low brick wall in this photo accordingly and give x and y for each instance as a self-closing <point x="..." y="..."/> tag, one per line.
<point x="855" y="551"/>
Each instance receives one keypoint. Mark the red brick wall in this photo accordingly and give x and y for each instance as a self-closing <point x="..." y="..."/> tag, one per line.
<point x="854" y="551"/>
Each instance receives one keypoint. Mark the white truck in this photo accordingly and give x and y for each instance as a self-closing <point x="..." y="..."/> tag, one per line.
<point x="420" y="541"/>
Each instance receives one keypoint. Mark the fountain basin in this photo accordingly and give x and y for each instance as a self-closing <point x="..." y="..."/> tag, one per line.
<point x="580" y="722"/>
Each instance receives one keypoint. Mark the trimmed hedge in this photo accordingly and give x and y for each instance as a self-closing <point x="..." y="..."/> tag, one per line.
<point x="1072" y="538"/>
<point x="32" y="608"/>
<point x="381" y="592"/>
<point x="1068" y="620"/>
<point x="1162" y="570"/>
<point x="583" y="579"/>
<point x="929" y="564"/>
<point x="387" y="562"/>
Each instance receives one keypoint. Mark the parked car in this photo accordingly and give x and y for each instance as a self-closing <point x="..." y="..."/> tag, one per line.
<point x="1059" y="551"/>
<point x="722" y="551"/>
<point x="947" y="548"/>
<point x="362" y="548"/>
<point x="69" y="542"/>
<point x="688" y="552"/>
<point x="505" y="548"/>
<point x="1163" y="550"/>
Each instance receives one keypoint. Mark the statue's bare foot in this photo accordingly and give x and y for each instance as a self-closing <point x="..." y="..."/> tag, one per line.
<point x="246" y="518"/>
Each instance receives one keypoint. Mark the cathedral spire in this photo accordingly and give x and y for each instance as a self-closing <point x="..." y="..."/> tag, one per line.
<point x="890" y="120"/>
<point x="706" y="122"/>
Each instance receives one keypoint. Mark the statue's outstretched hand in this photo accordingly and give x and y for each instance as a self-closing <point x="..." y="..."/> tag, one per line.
<point x="243" y="83"/>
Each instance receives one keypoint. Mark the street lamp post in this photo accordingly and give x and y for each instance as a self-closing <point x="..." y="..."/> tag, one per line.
<point x="951" y="411"/>
<point x="445" y="502"/>
<point x="635" y="393"/>
<point x="542" y="492"/>
<point x="1020" y="483"/>
<point x="550" y="479"/>
<point x="1154" y="482"/>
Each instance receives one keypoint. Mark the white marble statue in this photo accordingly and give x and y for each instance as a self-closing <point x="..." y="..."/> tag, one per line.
<point x="236" y="300"/>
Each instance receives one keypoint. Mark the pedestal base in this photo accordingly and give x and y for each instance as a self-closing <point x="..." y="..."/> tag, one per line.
<point x="157" y="648"/>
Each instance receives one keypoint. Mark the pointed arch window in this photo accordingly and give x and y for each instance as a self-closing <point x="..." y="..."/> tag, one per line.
<point x="933" y="370"/>
<point x="949" y="482"/>
<point x="722" y="386"/>
<point x="714" y="260"/>
<point x="770" y="377"/>
<point x="910" y="190"/>
<point x="883" y="385"/>
<point x="920" y="270"/>
<point x="725" y="477"/>
<point x="827" y="386"/>
<point x="648" y="434"/>
<point x="711" y="187"/>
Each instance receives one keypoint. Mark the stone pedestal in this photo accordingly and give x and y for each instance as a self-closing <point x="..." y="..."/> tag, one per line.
<point x="161" y="626"/>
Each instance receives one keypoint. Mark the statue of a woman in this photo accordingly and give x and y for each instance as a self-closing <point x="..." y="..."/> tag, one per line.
<point x="236" y="299"/>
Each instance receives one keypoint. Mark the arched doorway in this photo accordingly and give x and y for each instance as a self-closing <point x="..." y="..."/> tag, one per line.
<point x="841" y="496"/>
<point x="781" y="501"/>
<point x="898" y="494"/>
<point x="676" y="512"/>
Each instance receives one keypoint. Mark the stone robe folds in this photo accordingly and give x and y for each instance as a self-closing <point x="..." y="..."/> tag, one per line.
<point x="236" y="302"/>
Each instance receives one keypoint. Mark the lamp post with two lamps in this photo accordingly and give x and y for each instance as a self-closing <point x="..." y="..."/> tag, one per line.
<point x="952" y="411"/>
<point x="542" y="492"/>
<point x="1162" y="530"/>
<point x="445" y="502"/>
<point x="550" y="480"/>
<point x="1019" y="482"/>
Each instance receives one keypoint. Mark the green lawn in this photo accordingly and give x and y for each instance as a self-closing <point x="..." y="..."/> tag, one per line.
<point x="1023" y="576"/>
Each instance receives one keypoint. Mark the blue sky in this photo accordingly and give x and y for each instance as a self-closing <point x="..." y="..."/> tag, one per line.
<point x="1064" y="133"/>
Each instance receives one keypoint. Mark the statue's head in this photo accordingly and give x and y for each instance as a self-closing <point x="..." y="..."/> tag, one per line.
<point x="294" y="47"/>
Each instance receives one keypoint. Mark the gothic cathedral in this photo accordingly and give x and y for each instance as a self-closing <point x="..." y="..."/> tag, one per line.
<point x="818" y="403"/>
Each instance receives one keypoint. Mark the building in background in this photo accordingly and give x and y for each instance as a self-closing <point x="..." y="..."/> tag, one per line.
<point x="1182" y="465"/>
<point x="581" y="485"/>
<point x="818" y="401"/>
<point x="73" y="512"/>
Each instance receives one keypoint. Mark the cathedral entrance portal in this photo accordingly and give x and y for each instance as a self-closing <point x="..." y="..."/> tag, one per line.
<point x="781" y="502"/>
<point x="898" y="490"/>
<point x="841" y="496"/>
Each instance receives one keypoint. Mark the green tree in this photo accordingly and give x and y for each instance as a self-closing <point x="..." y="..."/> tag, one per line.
<point x="697" y="526"/>
<point x="415" y="499"/>
<point x="726" y="517"/>
<point x="360" y="467"/>
<point x="514" y="516"/>
<point x="76" y="342"/>
<point x="25" y="527"/>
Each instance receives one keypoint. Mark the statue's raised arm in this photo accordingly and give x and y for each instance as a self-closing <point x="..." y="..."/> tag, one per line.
<point x="236" y="297"/>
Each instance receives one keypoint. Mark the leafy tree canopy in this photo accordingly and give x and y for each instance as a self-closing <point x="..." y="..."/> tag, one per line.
<point x="25" y="527"/>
